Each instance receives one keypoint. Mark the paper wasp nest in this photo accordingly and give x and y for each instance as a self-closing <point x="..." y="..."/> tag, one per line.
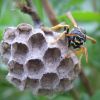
<point x="34" y="63"/>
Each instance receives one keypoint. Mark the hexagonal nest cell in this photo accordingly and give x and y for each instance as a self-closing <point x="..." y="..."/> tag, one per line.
<point x="5" y="51"/>
<point x="31" y="83"/>
<point x="45" y="91"/>
<point x="64" y="85"/>
<point x="16" y="81"/>
<point x="49" y="80"/>
<point x="52" y="58"/>
<point x="64" y="67"/>
<point x="9" y="34"/>
<point x="34" y="63"/>
<point x="20" y="48"/>
<point x="37" y="41"/>
<point x="16" y="68"/>
<point x="35" y="67"/>
<point x="24" y="27"/>
<point x="19" y="51"/>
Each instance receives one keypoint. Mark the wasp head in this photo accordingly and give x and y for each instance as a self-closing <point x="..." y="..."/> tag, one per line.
<point x="79" y="38"/>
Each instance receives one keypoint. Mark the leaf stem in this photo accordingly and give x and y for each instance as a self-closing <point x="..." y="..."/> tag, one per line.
<point x="50" y="12"/>
<point x="86" y="82"/>
<point x="30" y="10"/>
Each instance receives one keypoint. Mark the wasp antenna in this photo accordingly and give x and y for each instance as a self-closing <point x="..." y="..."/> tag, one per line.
<point x="69" y="15"/>
<point x="90" y="38"/>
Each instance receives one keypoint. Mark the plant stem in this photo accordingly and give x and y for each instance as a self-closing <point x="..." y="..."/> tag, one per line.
<point x="30" y="10"/>
<point x="75" y="94"/>
<point x="85" y="82"/>
<point x="50" y="12"/>
<point x="29" y="3"/>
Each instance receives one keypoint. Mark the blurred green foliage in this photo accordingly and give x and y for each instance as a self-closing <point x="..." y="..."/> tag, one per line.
<point x="87" y="14"/>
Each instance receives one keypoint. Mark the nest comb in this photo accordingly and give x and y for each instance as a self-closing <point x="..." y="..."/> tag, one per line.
<point x="35" y="64"/>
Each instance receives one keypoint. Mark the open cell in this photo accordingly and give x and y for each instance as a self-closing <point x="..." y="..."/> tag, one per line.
<point x="37" y="41"/>
<point x="5" y="51"/>
<point x="6" y="47"/>
<point x="52" y="55"/>
<point x="65" y="66"/>
<point x="31" y="83"/>
<point x="24" y="27"/>
<point x="64" y="84"/>
<point x="9" y="34"/>
<point x="16" y="82"/>
<point x="45" y="91"/>
<point x="35" y="67"/>
<point x="49" y="80"/>
<point x="16" y="68"/>
<point x="19" y="51"/>
<point x="20" y="48"/>
<point x="47" y="32"/>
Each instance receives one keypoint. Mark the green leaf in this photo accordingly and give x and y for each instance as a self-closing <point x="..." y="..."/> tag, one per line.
<point x="83" y="16"/>
<point x="1" y="34"/>
<point x="84" y="96"/>
<point x="96" y="96"/>
<point x="3" y="7"/>
<point x="39" y="8"/>
<point x="42" y="98"/>
<point x="72" y="2"/>
<point x="63" y="97"/>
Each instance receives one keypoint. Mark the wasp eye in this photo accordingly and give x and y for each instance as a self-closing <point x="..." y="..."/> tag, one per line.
<point x="81" y="38"/>
<point x="78" y="38"/>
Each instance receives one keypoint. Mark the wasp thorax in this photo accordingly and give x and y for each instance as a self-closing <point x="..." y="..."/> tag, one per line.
<point x="35" y="64"/>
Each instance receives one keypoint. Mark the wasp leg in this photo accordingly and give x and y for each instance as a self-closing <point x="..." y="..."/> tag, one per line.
<point x="62" y="35"/>
<point x="80" y="62"/>
<point x="90" y="38"/>
<point x="58" y="27"/>
<point x="86" y="53"/>
<point x="69" y="55"/>
<point x="82" y="50"/>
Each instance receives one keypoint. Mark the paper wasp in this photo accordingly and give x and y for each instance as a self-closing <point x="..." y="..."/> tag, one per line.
<point x="76" y="37"/>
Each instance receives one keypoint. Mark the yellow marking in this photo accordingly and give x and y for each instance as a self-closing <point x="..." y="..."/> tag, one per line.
<point x="77" y="41"/>
<point x="58" y="27"/>
<point x="82" y="50"/>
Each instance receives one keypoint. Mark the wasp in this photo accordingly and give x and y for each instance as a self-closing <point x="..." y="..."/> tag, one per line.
<point x="76" y="37"/>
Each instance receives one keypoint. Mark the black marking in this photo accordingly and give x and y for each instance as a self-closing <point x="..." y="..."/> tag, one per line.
<point x="78" y="40"/>
<point x="66" y="29"/>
